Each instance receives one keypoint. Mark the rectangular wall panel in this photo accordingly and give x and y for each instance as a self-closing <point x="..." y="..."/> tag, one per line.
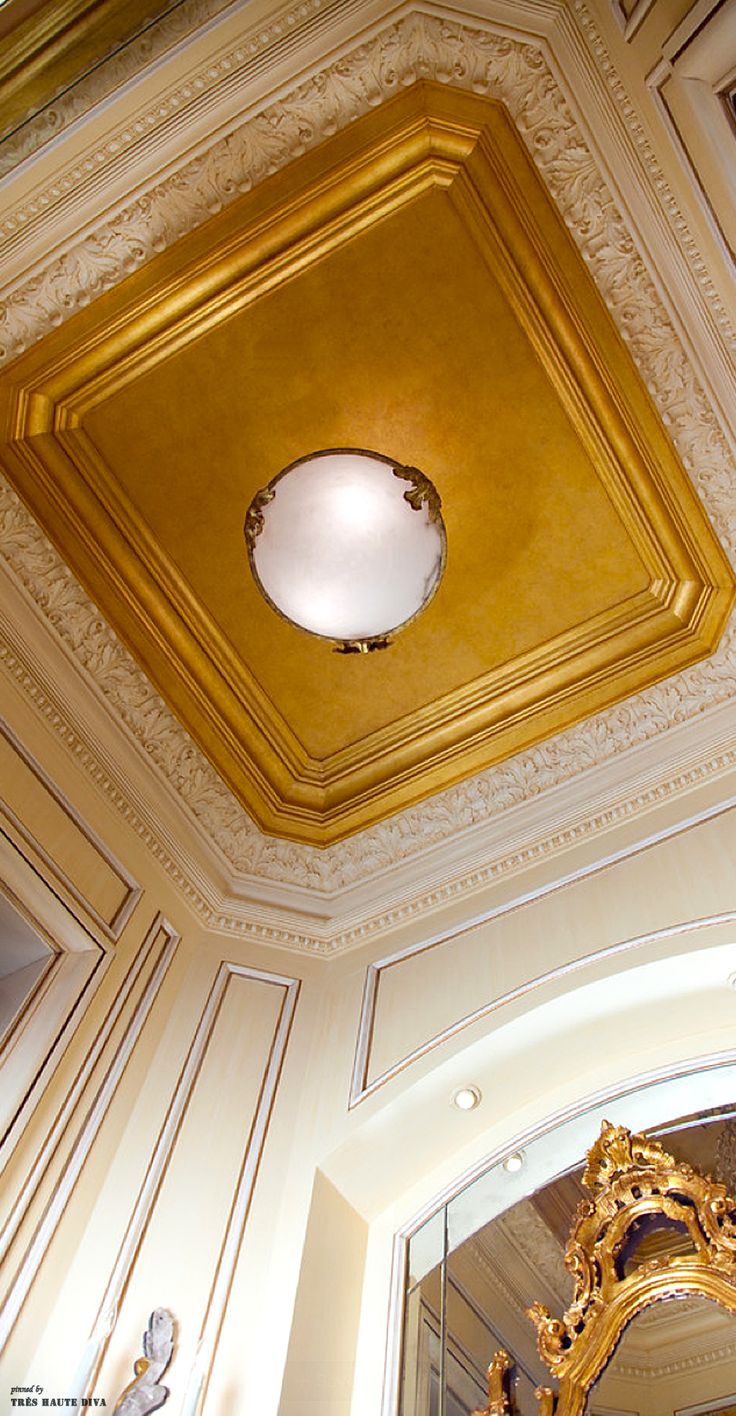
<point x="68" y="853"/>
<point x="187" y="1223"/>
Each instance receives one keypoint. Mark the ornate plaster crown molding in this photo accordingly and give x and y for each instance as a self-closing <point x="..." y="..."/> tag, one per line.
<point x="655" y="1371"/>
<point x="125" y="63"/>
<point x="419" y="45"/>
<point x="519" y="73"/>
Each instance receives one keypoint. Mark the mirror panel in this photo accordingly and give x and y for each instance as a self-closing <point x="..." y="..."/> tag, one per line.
<point x="469" y="1290"/>
<point x="677" y="1358"/>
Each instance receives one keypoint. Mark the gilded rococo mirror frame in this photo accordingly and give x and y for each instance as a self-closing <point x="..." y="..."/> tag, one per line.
<point x="635" y="1185"/>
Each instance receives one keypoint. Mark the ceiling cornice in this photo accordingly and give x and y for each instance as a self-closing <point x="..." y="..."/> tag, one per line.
<point x="522" y="72"/>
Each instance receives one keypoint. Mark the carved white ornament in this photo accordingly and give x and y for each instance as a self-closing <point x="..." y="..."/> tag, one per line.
<point x="102" y="80"/>
<point x="518" y="73"/>
<point x="146" y="1393"/>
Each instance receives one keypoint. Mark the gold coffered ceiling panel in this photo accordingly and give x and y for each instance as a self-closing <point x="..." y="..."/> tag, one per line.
<point x="408" y="288"/>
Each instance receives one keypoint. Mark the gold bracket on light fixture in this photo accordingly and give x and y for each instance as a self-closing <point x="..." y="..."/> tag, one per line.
<point x="362" y="646"/>
<point x="421" y="493"/>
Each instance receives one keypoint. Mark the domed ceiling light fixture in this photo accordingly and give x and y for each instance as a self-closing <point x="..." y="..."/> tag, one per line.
<point x="348" y="545"/>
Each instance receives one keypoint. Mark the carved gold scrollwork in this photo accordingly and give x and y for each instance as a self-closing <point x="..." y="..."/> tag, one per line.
<point x="421" y="493"/>
<point x="635" y="1185"/>
<point x="499" y="1395"/>
<point x="254" y="515"/>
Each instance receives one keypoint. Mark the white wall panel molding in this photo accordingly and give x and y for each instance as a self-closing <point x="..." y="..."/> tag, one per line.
<point x="117" y="889"/>
<point x="366" y="1083"/>
<point x="139" y="989"/>
<point x="52" y="684"/>
<point x="702" y="308"/>
<point x="696" y="69"/>
<point x="562" y="829"/>
<point x="253" y="1130"/>
<point x="323" y="901"/>
<point x="631" y="14"/>
<point x="38" y="1036"/>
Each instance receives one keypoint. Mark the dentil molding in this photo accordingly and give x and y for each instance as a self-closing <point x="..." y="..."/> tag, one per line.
<point x="143" y="49"/>
<point x="520" y="73"/>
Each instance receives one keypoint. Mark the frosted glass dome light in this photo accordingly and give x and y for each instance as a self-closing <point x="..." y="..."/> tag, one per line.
<point x="348" y="545"/>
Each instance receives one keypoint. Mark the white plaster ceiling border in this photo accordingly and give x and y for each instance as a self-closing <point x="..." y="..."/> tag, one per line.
<point x="226" y="91"/>
<point x="641" y="1369"/>
<point x="73" y="103"/>
<point x="566" y="834"/>
<point x="518" y="72"/>
<point x="148" y="131"/>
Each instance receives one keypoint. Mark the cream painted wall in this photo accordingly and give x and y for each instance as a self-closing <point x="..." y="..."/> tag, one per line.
<point x="140" y="1144"/>
<point x="327" y="1309"/>
<point x="182" y="1141"/>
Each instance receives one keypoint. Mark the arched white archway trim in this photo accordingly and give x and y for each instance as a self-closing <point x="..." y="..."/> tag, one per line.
<point x="641" y="1047"/>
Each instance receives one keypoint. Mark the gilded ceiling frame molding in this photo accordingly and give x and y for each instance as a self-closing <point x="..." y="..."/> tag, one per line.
<point x="523" y="80"/>
<point x="675" y="619"/>
<point x="281" y="923"/>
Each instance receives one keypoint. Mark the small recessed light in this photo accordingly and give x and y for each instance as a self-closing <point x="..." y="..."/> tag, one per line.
<point x="466" y="1098"/>
<point x="513" y="1162"/>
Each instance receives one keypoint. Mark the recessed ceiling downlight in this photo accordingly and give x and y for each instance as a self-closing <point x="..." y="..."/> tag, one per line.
<point x="348" y="545"/>
<point x="514" y="1162"/>
<point x="466" y="1098"/>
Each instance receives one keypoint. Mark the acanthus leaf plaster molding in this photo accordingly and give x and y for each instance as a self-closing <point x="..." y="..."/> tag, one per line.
<point x="54" y="212"/>
<point x="76" y="100"/>
<point x="519" y="74"/>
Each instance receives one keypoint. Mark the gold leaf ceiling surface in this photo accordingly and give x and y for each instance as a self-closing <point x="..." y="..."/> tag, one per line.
<point x="408" y="288"/>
